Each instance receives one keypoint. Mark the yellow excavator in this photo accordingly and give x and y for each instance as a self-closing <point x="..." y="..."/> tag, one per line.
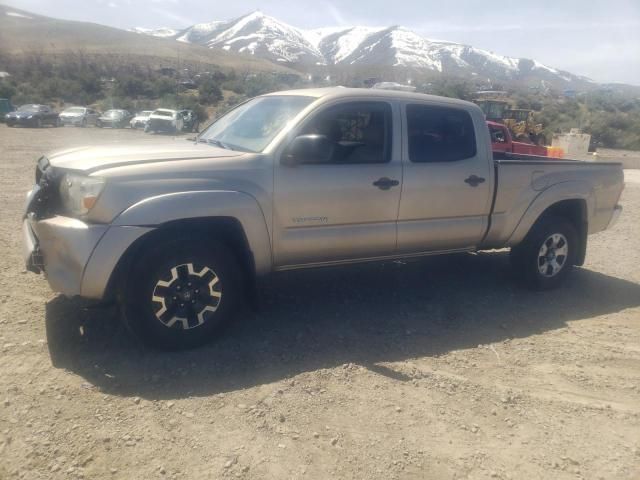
<point x="520" y="121"/>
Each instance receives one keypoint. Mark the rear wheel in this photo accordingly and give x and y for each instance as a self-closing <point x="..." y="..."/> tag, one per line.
<point x="547" y="254"/>
<point x="182" y="293"/>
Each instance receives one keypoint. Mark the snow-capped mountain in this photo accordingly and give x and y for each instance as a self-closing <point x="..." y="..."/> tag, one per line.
<point x="157" y="32"/>
<point x="266" y="37"/>
<point x="257" y="34"/>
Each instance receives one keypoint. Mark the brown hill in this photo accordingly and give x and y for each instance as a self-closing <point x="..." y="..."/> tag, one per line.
<point x="23" y="33"/>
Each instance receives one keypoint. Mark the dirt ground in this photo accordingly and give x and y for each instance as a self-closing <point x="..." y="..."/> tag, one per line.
<point x="437" y="369"/>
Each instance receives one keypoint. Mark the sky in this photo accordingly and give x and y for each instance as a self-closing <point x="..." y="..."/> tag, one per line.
<point x="596" y="38"/>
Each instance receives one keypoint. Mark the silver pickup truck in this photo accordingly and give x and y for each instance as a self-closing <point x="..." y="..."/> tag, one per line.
<point x="177" y="232"/>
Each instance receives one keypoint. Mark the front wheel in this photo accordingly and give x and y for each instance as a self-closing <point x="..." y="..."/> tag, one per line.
<point x="182" y="292"/>
<point x="547" y="254"/>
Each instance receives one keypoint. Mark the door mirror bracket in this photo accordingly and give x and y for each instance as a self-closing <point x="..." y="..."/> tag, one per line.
<point x="307" y="149"/>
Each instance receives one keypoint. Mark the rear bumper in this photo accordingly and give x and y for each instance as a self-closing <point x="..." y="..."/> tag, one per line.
<point x="161" y="125"/>
<point x="615" y="216"/>
<point x="113" y="123"/>
<point x="71" y="120"/>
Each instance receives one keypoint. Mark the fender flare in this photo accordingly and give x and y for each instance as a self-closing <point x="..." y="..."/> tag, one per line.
<point x="161" y="209"/>
<point x="559" y="192"/>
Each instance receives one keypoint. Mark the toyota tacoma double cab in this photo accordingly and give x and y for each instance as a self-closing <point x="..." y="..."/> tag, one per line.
<point x="178" y="231"/>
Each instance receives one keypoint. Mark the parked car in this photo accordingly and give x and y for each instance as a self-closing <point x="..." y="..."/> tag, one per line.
<point x="165" y="120"/>
<point x="33" y="115"/>
<point x="79" y="116"/>
<point x="188" y="84"/>
<point x="177" y="232"/>
<point x="141" y="119"/>
<point x="5" y="107"/>
<point x="114" y="119"/>
<point x="190" y="121"/>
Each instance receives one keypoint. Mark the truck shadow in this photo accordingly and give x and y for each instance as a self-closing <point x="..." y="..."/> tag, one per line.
<point x="362" y="314"/>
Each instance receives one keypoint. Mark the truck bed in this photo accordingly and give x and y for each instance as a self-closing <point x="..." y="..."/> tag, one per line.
<point x="523" y="181"/>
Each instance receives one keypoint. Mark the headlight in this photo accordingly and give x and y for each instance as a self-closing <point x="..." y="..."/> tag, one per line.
<point x="80" y="193"/>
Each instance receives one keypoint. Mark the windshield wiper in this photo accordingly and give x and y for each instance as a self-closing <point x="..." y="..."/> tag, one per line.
<point x="217" y="143"/>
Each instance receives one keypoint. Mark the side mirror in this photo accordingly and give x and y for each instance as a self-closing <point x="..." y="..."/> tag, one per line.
<point x="308" y="149"/>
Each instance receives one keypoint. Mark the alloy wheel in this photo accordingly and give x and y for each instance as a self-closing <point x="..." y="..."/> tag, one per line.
<point x="553" y="254"/>
<point x="187" y="296"/>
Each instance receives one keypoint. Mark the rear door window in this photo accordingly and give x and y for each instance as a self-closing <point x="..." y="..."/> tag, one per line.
<point x="439" y="134"/>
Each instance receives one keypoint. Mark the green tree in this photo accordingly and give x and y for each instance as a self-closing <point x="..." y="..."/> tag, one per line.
<point x="209" y="93"/>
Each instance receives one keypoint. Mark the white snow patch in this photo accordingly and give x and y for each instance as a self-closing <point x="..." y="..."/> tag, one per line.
<point x="156" y="32"/>
<point x="351" y="41"/>
<point x="18" y="15"/>
<point x="507" y="62"/>
<point x="541" y="66"/>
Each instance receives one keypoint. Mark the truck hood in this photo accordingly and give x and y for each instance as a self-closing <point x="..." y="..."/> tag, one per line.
<point x="91" y="159"/>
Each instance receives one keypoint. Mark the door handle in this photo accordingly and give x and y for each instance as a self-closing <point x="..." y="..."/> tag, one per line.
<point x="385" y="183"/>
<point x="474" y="180"/>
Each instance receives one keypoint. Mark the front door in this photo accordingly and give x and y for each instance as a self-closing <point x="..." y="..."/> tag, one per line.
<point x="448" y="180"/>
<point x="343" y="206"/>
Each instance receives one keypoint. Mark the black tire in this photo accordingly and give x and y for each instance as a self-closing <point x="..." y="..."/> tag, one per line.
<point x="545" y="269"/>
<point x="192" y="316"/>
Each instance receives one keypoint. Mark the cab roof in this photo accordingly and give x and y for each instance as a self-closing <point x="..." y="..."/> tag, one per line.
<point x="344" y="92"/>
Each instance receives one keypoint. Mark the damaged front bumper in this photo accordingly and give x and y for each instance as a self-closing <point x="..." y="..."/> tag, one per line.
<point x="60" y="247"/>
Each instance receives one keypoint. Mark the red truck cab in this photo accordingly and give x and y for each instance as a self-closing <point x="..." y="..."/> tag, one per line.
<point x="502" y="142"/>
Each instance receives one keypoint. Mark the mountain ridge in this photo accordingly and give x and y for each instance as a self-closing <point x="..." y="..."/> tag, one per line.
<point x="266" y="37"/>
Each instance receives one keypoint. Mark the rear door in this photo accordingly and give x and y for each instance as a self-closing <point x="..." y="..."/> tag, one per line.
<point x="448" y="179"/>
<point x="345" y="207"/>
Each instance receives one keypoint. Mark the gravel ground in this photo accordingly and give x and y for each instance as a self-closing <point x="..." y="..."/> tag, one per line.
<point x="438" y="369"/>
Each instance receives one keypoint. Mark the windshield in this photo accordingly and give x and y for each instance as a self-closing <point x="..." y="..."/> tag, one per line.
<point x="74" y="110"/>
<point x="113" y="113"/>
<point x="29" y="108"/>
<point x="254" y="124"/>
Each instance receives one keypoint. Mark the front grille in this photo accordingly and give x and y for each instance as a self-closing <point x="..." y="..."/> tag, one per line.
<point x="46" y="201"/>
<point x="42" y="165"/>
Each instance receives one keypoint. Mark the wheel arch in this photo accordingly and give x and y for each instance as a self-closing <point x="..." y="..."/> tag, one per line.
<point x="235" y="217"/>
<point x="226" y="229"/>
<point x="574" y="205"/>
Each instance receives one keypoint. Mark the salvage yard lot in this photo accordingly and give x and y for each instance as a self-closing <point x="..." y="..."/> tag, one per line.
<point x="441" y="368"/>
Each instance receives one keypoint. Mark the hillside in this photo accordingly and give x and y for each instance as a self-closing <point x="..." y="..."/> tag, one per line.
<point x="23" y="33"/>
<point x="359" y="46"/>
